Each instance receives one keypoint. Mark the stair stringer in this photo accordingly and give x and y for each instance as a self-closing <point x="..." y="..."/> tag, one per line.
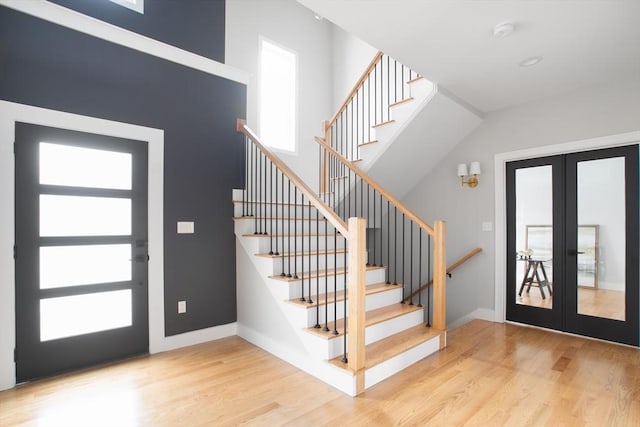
<point x="263" y="320"/>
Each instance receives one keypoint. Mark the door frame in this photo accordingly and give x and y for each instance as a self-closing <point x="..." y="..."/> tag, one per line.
<point x="11" y="113"/>
<point x="500" y="211"/>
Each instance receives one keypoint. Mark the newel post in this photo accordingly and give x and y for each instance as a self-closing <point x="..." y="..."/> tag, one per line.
<point x="440" y="277"/>
<point x="356" y="299"/>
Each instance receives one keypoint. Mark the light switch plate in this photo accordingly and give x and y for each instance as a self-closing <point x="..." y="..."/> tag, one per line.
<point x="487" y="226"/>
<point x="186" y="227"/>
<point x="182" y="307"/>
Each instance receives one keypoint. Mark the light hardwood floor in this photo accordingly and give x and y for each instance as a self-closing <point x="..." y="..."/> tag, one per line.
<point x="490" y="374"/>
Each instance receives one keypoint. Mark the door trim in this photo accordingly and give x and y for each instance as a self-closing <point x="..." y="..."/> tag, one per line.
<point x="9" y="114"/>
<point x="500" y="213"/>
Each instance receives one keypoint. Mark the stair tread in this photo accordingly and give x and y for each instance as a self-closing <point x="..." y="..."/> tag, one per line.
<point x="388" y="122"/>
<point x="269" y="218"/>
<point x="372" y="317"/>
<point x="362" y="144"/>
<point x="302" y="253"/>
<point x="271" y="203"/>
<point x="289" y="235"/>
<point x="393" y="345"/>
<point x="402" y="101"/>
<point x="369" y="290"/>
<point x="319" y="273"/>
<point x="416" y="79"/>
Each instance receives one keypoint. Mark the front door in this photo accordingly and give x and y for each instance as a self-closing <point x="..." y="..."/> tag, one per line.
<point x="81" y="250"/>
<point x="572" y="246"/>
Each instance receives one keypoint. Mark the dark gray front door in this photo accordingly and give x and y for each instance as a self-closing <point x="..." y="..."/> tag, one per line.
<point x="81" y="250"/>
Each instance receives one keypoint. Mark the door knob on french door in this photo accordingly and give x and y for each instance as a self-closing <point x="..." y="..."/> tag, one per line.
<point x="574" y="252"/>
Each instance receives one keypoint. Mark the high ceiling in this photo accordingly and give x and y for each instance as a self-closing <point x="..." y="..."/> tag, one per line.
<point x="451" y="42"/>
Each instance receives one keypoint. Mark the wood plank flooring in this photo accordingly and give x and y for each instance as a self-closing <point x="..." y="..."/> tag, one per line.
<point x="490" y="374"/>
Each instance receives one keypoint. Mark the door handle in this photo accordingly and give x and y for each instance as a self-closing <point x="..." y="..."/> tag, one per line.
<point x="140" y="258"/>
<point x="574" y="252"/>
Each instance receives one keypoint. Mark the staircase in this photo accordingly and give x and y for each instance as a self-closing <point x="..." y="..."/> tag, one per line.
<point x="314" y="293"/>
<point x="342" y="281"/>
<point x="395" y="118"/>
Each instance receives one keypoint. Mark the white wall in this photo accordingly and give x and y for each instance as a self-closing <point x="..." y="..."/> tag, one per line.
<point x="351" y="56"/>
<point x="293" y="26"/>
<point x="588" y="113"/>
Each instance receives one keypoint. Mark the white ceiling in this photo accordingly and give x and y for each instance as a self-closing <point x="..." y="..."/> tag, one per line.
<point x="583" y="42"/>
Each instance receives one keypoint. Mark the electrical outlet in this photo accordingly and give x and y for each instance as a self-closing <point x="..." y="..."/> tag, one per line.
<point x="182" y="307"/>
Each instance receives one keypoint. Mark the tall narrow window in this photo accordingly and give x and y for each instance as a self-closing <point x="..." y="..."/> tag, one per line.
<point x="277" y="111"/>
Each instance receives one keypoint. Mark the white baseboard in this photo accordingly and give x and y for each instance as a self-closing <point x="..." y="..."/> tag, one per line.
<point x="317" y="368"/>
<point x="194" y="337"/>
<point x="480" y="313"/>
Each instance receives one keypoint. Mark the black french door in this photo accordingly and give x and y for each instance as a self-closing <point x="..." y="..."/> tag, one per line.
<point x="572" y="243"/>
<point x="81" y="250"/>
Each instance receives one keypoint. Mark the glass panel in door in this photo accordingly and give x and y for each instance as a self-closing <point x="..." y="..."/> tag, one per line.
<point x="601" y="246"/>
<point x="534" y="237"/>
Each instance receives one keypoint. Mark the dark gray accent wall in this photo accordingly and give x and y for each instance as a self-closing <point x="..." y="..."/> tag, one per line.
<point x="49" y="66"/>
<point x="194" y="25"/>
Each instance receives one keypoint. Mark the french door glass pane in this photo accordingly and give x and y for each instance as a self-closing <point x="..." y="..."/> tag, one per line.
<point x="84" y="167"/>
<point x="82" y="314"/>
<point x="601" y="238"/>
<point x="84" y="216"/>
<point x="534" y="236"/>
<point x="62" y="266"/>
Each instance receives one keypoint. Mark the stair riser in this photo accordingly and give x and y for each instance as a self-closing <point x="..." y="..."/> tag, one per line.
<point x="308" y="316"/>
<point x="306" y="263"/>
<point x="328" y="349"/>
<point x="266" y="244"/>
<point x="295" y="290"/>
<point x="272" y="210"/>
<point x="249" y="225"/>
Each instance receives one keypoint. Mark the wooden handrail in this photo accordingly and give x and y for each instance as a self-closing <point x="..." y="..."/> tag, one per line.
<point x="326" y="211"/>
<point x="356" y="87"/>
<point x="377" y="187"/>
<point x="458" y="263"/>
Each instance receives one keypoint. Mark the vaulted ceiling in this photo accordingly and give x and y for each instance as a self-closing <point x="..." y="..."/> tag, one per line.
<point x="451" y="42"/>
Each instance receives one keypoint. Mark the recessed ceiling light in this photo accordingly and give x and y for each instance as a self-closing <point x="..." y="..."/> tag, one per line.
<point x="503" y="30"/>
<point x="529" y="62"/>
<point x="318" y="17"/>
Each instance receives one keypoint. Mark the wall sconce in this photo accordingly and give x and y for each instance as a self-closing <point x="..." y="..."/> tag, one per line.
<point x="474" y="171"/>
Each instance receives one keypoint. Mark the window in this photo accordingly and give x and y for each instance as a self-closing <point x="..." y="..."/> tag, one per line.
<point x="277" y="102"/>
<point x="137" y="5"/>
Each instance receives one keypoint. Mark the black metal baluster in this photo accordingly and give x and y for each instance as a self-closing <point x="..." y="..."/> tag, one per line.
<point x="326" y="280"/>
<point x="295" y="231"/>
<point x="246" y="176"/>
<point x="344" y="303"/>
<point x="302" y="298"/>
<point x="310" y="301"/>
<point x="254" y="166"/>
<point x="381" y="233"/>
<point x="411" y="267"/>
<point x="374" y="225"/>
<point x="388" y="243"/>
<point x="368" y="225"/>
<point x="403" y="260"/>
<point x="317" y="325"/>
<point x="395" y="245"/>
<point x="428" y="279"/>
<point x="289" y="228"/>
<point x="335" y="282"/>
<point x="283" y="274"/>
<point x="420" y="268"/>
